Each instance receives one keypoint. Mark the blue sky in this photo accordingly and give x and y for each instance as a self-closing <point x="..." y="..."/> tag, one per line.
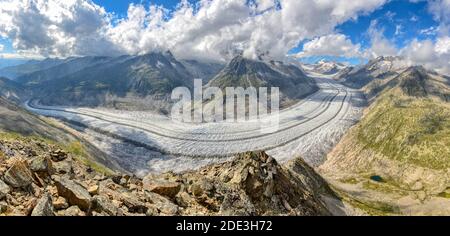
<point x="409" y="17"/>
<point x="121" y="6"/>
<point x="399" y="23"/>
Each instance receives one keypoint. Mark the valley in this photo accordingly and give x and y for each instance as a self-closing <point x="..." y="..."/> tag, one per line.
<point x="325" y="111"/>
<point x="225" y="108"/>
<point x="376" y="133"/>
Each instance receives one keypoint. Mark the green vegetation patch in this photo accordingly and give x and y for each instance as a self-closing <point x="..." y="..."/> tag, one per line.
<point x="406" y="129"/>
<point x="75" y="148"/>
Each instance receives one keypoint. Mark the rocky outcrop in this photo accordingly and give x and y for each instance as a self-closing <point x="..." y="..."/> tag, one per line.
<point x="252" y="184"/>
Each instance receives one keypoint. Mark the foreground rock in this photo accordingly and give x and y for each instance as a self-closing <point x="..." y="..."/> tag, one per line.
<point x="44" y="207"/>
<point x="252" y="184"/>
<point x="50" y="182"/>
<point x="161" y="186"/>
<point x="18" y="175"/>
<point x="73" y="192"/>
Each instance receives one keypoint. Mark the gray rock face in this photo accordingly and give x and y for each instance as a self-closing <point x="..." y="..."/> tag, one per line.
<point x="73" y="192"/>
<point x="4" y="189"/>
<point x="44" y="207"/>
<point x="104" y="205"/>
<point x="63" y="167"/>
<point x="18" y="175"/>
<point x="161" y="204"/>
<point x="41" y="165"/>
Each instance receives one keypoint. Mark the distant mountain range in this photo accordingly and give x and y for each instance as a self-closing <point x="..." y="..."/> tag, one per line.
<point x="325" y="67"/>
<point x="379" y="68"/>
<point x="109" y="81"/>
<point x="13" y="72"/>
<point x="122" y="82"/>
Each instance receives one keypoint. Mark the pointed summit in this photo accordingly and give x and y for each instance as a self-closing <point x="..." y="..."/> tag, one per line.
<point x="244" y="72"/>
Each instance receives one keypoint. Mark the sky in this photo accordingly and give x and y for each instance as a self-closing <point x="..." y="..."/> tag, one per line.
<point x="216" y="30"/>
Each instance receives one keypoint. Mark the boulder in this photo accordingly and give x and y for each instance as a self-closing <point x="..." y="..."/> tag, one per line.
<point x="161" y="186"/>
<point x="4" y="189"/>
<point x="60" y="203"/>
<point x="44" y="206"/>
<point x="102" y="204"/>
<point x="93" y="190"/>
<point x="41" y="164"/>
<point x="72" y="211"/>
<point x="73" y="192"/>
<point x="18" y="175"/>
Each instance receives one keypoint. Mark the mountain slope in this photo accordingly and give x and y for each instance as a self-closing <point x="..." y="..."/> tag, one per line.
<point x="120" y="82"/>
<point x="401" y="146"/>
<point x="31" y="66"/>
<point x="202" y="70"/>
<point x="16" y="122"/>
<point x="328" y="67"/>
<point x="60" y="70"/>
<point x="414" y="81"/>
<point x="12" y="91"/>
<point x="242" y="72"/>
<point x="378" y="69"/>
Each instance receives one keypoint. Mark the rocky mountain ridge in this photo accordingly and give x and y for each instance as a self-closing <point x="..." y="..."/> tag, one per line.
<point x="292" y="82"/>
<point x="40" y="179"/>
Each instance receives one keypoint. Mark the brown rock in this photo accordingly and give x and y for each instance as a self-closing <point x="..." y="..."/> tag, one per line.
<point x="161" y="186"/>
<point x="133" y="203"/>
<point x="18" y="175"/>
<point x="72" y="211"/>
<point x="93" y="190"/>
<point x="73" y="192"/>
<point x="60" y="203"/>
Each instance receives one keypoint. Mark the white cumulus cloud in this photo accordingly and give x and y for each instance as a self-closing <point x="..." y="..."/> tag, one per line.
<point x="433" y="55"/>
<point x="331" y="45"/>
<point x="379" y="44"/>
<point x="209" y="29"/>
